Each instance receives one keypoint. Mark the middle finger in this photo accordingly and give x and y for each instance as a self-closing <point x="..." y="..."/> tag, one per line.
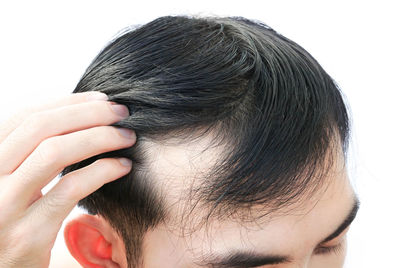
<point x="39" y="126"/>
<point x="55" y="153"/>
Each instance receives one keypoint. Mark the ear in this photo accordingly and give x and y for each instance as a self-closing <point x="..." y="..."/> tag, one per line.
<point x="94" y="243"/>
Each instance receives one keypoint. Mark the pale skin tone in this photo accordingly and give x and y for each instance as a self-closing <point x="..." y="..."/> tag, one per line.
<point x="298" y="238"/>
<point x="310" y="235"/>
<point x="35" y="145"/>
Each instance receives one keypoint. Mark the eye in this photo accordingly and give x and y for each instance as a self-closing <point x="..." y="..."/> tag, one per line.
<point x="337" y="249"/>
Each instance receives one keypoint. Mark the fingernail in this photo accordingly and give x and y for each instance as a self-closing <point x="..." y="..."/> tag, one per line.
<point x="125" y="161"/>
<point x="96" y="95"/>
<point x="120" y="110"/>
<point x="128" y="133"/>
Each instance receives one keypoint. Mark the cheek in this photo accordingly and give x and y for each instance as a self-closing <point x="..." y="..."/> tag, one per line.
<point x="331" y="260"/>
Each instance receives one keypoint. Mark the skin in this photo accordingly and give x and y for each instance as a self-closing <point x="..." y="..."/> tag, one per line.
<point x="297" y="235"/>
<point x="35" y="145"/>
<point x="33" y="151"/>
<point x="296" y="231"/>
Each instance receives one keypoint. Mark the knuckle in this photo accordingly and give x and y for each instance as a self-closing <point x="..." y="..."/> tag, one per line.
<point x="100" y="111"/>
<point x="93" y="138"/>
<point x="34" y="122"/>
<point x="108" y="165"/>
<point x="18" y="117"/>
<point x="49" y="207"/>
<point x="101" y="163"/>
<point x="96" y="108"/>
<point x="70" y="191"/>
<point x="108" y="136"/>
<point x="48" y="151"/>
<point x="87" y="140"/>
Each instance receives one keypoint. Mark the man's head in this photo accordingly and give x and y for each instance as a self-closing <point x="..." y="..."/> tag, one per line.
<point x="240" y="132"/>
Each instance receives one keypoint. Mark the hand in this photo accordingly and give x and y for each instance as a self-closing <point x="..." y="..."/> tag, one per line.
<point x="35" y="146"/>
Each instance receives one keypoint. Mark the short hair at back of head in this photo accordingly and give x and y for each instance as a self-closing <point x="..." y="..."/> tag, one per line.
<point x="261" y="95"/>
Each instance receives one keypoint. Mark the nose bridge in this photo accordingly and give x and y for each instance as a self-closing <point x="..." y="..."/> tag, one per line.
<point x="303" y="263"/>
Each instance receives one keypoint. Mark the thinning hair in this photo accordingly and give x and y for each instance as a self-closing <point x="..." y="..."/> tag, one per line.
<point x="261" y="95"/>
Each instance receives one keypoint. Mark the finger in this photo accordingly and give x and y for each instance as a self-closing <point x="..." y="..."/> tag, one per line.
<point x="54" y="207"/>
<point x="39" y="126"/>
<point x="15" y="120"/>
<point x="55" y="153"/>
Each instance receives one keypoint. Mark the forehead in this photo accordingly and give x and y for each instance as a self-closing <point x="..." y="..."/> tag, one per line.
<point x="177" y="166"/>
<point x="287" y="233"/>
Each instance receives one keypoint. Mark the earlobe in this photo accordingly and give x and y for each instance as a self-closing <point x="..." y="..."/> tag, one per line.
<point x="86" y="242"/>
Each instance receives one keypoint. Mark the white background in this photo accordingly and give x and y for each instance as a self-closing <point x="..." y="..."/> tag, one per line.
<point x="46" y="46"/>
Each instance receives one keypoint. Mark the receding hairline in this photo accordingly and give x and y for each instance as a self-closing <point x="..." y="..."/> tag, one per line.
<point x="189" y="201"/>
<point x="246" y="67"/>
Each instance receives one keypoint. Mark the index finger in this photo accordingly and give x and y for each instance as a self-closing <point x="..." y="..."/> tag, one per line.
<point x="14" y="121"/>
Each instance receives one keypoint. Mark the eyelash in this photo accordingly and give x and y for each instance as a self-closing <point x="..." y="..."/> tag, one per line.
<point x="328" y="250"/>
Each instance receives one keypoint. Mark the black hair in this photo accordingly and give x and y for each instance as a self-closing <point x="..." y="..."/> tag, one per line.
<point x="261" y="95"/>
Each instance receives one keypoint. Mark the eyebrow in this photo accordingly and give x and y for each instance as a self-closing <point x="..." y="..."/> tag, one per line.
<point x="250" y="259"/>
<point x="244" y="260"/>
<point x="346" y="223"/>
